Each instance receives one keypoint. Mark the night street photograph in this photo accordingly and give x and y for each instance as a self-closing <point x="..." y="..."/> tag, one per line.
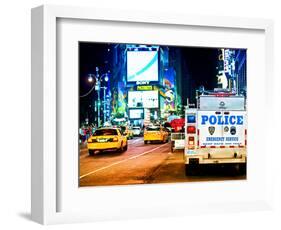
<point x="161" y="114"/>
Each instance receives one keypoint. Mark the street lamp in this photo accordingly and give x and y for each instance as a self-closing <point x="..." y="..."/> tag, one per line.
<point x="98" y="87"/>
<point x="90" y="78"/>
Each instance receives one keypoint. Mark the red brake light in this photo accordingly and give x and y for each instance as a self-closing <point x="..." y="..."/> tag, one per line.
<point x="191" y="129"/>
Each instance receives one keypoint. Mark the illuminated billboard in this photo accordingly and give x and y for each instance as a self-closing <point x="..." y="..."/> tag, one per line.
<point x="142" y="66"/>
<point x="143" y="99"/>
<point x="136" y="113"/>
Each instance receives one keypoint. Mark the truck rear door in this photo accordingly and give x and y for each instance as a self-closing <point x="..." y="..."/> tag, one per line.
<point x="221" y="129"/>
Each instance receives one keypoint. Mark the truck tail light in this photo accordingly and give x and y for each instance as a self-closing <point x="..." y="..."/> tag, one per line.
<point x="191" y="129"/>
<point x="190" y="140"/>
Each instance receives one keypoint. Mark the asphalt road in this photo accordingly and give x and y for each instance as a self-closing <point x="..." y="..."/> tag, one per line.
<point x="144" y="164"/>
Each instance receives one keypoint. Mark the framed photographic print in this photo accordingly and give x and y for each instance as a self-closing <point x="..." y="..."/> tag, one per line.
<point x="137" y="114"/>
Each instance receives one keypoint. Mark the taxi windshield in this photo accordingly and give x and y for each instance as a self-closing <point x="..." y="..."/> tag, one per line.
<point x="105" y="132"/>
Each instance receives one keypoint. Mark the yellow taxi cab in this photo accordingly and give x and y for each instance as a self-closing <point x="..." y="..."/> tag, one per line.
<point x="104" y="139"/>
<point x="155" y="133"/>
<point x="127" y="131"/>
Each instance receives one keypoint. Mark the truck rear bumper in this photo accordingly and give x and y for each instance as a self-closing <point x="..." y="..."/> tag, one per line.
<point x="216" y="160"/>
<point x="217" y="156"/>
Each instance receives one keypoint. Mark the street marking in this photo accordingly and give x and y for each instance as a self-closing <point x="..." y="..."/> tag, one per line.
<point x="83" y="156"/>
<point x="119" y="162"/>
<point x="84" y="153"/>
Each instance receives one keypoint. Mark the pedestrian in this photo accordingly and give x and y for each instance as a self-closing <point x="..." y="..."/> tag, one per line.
<point x="87" y="133"/>
<point x="84" y="135"/>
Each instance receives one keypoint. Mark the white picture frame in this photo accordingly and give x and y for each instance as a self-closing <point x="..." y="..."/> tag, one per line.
<point x="46" y="195"/>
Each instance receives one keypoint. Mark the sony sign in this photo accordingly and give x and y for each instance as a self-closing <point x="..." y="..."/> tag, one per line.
<point x="142" y="82"/>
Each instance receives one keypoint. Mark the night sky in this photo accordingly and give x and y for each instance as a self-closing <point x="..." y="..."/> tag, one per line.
<point x="92" y="55"/>
<point x="197" y="67"/>
<point x="199" y="63"/>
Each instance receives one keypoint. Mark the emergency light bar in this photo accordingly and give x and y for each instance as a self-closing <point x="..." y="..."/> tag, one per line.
<point x="191" y="119"/>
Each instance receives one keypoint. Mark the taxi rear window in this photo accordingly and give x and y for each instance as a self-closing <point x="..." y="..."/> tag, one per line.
<point x="153" y="129"/>
<point x="105" y="132"/>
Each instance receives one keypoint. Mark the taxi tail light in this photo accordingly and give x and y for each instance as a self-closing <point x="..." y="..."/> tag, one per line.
<point x="94" y="140"/>
<point x="191" y="129"/>
<point x="190" y="140"/>
<point x="115" y="139"/>
<point x="90" y="141"/>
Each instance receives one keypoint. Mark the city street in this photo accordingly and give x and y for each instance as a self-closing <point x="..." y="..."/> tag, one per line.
<point x="143" y="164"/>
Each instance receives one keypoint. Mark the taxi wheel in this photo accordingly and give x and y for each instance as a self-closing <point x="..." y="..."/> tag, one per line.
<point x="126" y="148"/>
<point x="145" y="142"/>
<point x="121" y="149"/>
<point x="91" y="152"/>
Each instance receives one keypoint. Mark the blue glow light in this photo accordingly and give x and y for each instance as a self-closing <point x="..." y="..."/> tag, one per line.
<point x="191" y="119"/>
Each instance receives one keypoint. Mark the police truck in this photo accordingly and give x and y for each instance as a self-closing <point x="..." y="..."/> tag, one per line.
<point x="216" y="131"/>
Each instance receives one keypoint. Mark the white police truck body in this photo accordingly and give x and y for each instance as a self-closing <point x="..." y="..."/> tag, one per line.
<point x="216" y="131"/>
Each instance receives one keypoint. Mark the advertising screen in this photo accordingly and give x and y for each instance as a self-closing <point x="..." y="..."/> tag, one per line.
<point x="143" y="99"/>
<point x="136" y="113"/>
<point x="142" y="66"/>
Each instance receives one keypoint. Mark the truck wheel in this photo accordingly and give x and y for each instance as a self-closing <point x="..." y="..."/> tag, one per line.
<point x="242" y="168"/>
<point x="191" y="169"/>
<point x="187" y="170"/>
